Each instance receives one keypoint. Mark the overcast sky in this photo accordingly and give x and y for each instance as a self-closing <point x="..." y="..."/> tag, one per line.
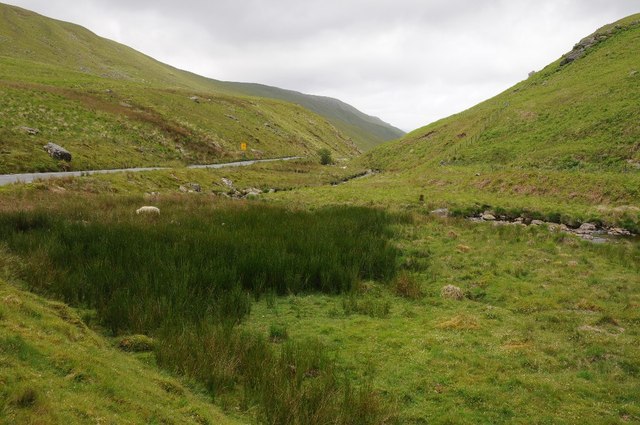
<point x="408" y="62"/>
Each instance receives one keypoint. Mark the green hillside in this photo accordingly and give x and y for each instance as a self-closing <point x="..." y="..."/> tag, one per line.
<point x="365" y="130"/>
<point x="562" y="145"/>
<point x="54" y="370"/>
<point x="581" y="115"/>
<point x="35" y="41"/>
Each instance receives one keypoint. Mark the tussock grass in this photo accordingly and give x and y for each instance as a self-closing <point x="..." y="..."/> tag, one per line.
<point x="189" y="278"/>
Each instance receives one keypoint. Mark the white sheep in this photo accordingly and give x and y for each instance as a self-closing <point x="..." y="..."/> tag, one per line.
<point x="148" y="210"/>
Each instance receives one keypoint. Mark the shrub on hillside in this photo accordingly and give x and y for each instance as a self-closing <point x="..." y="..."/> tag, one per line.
<point x="325" y="156"/>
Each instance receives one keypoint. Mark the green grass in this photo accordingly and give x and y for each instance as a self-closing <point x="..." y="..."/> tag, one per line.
<point x="564" y="141"/>
<point x="189" y="277"/>
<point x="546" y="332"/>
<point x="41" y="50"/>
<point x="133" y="124"/>
<point x="310" y="306"/>
<point x="54" y="369"/>
<point x="581" y="116"/>
<point x="542" y="312"/>
<point x="281" y="176"/>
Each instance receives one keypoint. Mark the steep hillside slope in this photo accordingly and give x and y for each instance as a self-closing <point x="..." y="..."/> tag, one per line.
<point x="563" y="145"/>
<point x="580" y="112"/>
<point x="54" y="369"/>
<point x="28" y="36"/>
<point x="365" y="130"/>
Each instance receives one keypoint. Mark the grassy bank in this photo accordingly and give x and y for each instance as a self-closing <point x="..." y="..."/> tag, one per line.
<point x="54" y="369"/>
<point x="189" y="276"/>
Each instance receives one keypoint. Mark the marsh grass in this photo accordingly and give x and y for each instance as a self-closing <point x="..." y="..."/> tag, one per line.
<point x="188" y="279"/>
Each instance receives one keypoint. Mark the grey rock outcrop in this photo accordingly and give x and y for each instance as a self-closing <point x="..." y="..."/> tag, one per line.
<point x="580" y="49"/>
<point x="57" y="152"/>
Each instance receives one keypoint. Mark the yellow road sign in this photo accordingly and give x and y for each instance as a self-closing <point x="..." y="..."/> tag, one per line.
<point x="243" y="146"/>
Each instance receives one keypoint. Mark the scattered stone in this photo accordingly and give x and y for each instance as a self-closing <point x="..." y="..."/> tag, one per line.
<point x="532" y="73"/>
<point x="125" y="105"/>
<point x="463" y="248"/>
<point x="587" y="231"/>
<point x="195" y="99"/>
<point x="252" y="191"/>
<point x="554" y="227"/>
<point x="57" y="152"/>
<point x="30" y="131"/>
<point x="452" y="292"/>
<point x="632" y="73"/>
<point x="580" y="49"/>
<point x="152" y="195"/>
<point x="441" y="212"/>
<point x="487" y="216"/>
<point x="231" y="117"/>
<point x="227" y="182"/>
<point x="195" y="187"/>
<point x="586" y="228"/>
<point x="617" y="231"/>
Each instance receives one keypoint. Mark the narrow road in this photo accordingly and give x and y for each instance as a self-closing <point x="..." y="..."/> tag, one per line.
<point x="6" y="179"/>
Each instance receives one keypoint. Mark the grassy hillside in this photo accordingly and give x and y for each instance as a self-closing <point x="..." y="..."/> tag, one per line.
<point x="365" y="130"/>
<point x="325" y="300"/>
<point x="562" y="145"/>
<point x="582" y="115"/>
<point x="54" y="369"/>
<point x="33" y="38"/>
<point x="112" y="107"/>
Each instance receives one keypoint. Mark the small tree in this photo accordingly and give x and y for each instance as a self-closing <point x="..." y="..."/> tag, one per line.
<point x="325" y="156"/>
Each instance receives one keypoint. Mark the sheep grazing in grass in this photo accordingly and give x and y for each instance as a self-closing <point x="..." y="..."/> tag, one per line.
<point x="148" y="210"/>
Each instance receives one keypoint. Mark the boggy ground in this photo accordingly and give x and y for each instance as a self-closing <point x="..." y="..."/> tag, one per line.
<point x="545" y="333"/>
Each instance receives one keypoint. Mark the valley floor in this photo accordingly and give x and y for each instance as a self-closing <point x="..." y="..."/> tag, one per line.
<point x="545" y="330"/>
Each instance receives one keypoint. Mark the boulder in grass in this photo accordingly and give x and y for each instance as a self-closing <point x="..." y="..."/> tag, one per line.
<point x="452" y="292"/>
<point x="57" y="152"/>
<point x="487" y="216"/>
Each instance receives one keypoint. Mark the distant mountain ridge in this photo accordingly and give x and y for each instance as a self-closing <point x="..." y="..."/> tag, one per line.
<point x="64" y="44"/>
<point x="366" y="130"/>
